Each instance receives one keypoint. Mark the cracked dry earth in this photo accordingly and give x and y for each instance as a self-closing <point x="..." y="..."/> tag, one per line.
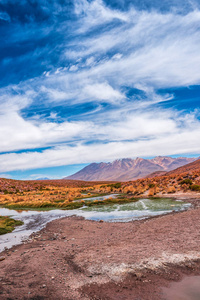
<point x="74" y="259"/>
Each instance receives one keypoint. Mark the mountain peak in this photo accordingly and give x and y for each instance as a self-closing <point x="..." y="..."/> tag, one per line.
<point x="126" y="169"/>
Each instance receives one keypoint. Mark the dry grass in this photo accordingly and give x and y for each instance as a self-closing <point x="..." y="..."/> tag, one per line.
<point x="63" y="193"/>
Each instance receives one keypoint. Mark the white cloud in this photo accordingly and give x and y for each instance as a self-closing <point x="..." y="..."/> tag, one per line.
<point x="38" y="133"/>
<point x="102" y="91"/>
<point x="178" y="143"/>
<point x="117" y="56"/>
<point x="132" y="135"/>
<point x="73" y="68"/>
<point x="149" y="49"/>
<point x="158" y="50"/>
<point x="96" y="13"/>
<point x="90" y="61"/>
<point x="54" y="94"/>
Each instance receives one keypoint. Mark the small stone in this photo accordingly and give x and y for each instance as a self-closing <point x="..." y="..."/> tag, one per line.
<point x="2" y="258"/>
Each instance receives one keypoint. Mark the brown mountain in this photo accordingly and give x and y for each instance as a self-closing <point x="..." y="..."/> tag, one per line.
<point x="128" y="169"/>
<point x="194" y="166"/>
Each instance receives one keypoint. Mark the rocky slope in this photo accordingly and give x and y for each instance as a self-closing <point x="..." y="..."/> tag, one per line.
<point x="129" y="169"/>
<point x="189" y="168"/>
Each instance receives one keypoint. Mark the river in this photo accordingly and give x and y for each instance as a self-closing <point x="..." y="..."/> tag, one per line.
<point x="36" y="220"/>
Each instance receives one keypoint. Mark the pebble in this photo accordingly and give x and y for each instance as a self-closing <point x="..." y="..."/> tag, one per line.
<point x="2" y="258"/>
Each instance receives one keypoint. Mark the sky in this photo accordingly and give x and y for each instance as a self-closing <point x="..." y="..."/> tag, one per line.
<point x="87" y="81"/>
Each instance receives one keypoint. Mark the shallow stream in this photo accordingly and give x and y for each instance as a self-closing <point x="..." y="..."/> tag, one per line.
<point x="36" y="220"/>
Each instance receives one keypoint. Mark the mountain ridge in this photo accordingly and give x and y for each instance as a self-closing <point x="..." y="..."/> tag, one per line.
<point x="191" y="167"/>
<point x="126" y="169"/>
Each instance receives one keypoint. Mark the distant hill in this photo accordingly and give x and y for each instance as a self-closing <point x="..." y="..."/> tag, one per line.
<point x="15" y="186"/>
<point x="129" y="169"/>
<point x="194" y="166"/>
<point x="156" y="174"/>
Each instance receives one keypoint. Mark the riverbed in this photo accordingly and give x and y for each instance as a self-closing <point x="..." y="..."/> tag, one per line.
<point x="78" y="259"/>
<point x="36" y="220"/>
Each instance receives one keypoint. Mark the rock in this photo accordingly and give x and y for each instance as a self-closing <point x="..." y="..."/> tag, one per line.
<point x="2" y="258"/>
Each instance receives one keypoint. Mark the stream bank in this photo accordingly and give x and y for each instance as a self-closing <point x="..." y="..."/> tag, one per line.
<point x="34" y="221"/>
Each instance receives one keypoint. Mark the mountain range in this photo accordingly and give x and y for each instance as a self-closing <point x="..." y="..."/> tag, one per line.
<point x="130" y="169"/>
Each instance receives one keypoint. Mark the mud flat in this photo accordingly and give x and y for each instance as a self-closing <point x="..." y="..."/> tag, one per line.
<point x="74" y="259"/>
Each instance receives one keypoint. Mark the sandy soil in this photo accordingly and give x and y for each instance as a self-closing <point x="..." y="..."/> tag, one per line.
<point x="74" y="259"/>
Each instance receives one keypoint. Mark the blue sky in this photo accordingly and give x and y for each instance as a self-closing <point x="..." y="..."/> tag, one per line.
<point x="89" y="81"/>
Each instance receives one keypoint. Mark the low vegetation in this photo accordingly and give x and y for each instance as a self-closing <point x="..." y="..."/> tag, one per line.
<point x="8" y="224"/>
<point x="162" y="185"/>
<point x="69" y="194"/>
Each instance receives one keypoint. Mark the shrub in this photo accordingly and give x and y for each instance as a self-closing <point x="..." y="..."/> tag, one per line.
<point x="171" y="189"/>
<point x="151" y="185"/>
<point x="195" y="187"/>
<point x="151" y="192"/>
<point x="117" y="185"/>
<point x="186" y="181"/>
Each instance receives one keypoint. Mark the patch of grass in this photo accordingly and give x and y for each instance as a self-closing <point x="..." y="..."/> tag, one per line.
<point x="8" y="224"/>
<point x="111" y="201"/>
<point x="25" y="208"/>
<point x="186" y="181"/>
<point x="73" y="205"/>
<point x="151" y="185"/>
<point x="121" y="196"/>
<point x="64" y="205"/>
<point x="92" y="195"/>
<point x="117" y="185"/>
<point x="195" y="187"/>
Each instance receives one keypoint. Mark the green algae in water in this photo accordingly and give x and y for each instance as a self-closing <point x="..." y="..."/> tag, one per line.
<point x="143" y="208"/>
<point x="141" y="205"/>
<point x="159" y="204"/>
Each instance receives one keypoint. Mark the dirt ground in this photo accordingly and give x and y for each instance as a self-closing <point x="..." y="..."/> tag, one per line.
<point x="74" y="259"/>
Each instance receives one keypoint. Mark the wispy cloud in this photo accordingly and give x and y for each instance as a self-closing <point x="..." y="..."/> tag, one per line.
<point x="178" y="143"/>
<point x="97" y="95"/>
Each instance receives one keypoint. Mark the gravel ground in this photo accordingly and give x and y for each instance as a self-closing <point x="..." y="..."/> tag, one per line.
<point x="74" y="259"/>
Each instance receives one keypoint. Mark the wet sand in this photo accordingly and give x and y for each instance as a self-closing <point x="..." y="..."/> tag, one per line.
<point x="186" y="289"/>
<point x="74" y="259"/>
